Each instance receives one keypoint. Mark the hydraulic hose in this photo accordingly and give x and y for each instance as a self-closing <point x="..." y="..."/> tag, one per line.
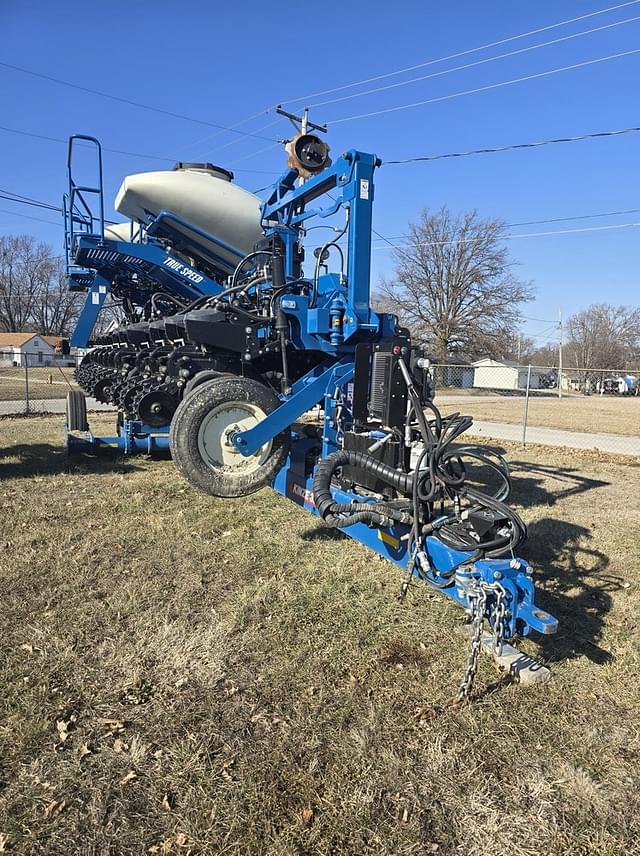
<point x="438" y="480"/>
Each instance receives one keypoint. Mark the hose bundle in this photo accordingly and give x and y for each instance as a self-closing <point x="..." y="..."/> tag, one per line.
<point x="439" y="476"/>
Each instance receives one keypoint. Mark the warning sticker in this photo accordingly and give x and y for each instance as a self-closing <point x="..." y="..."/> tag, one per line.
<point x="364" y="188"/>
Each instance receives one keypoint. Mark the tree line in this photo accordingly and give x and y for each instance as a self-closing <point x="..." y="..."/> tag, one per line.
<point x="454" y="285"/>
<point x="33" y="293"/>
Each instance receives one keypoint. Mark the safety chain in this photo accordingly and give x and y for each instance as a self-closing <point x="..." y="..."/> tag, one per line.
<point x="498" y="615"/>
<point x="478" y="601"/>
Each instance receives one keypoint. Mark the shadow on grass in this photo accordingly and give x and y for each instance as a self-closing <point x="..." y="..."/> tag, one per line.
<point x="573" y="585"/>
<point x="571" y="571"/>
<point x="42" y="459"/>
<point x="529" y="490"/>
<point x="323" y="533"/>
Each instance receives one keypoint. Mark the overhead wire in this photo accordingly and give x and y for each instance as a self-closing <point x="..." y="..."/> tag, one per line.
<point x="545" y="333"/>
<point x="486" y="88"/>
<point x="120" y="151"/>
<point x="466" y="52"/>
<point x="475" y="63"/>
<point x="28" y="217"/>
<point x="236" y="142"/>
<point x="219" y="133"/>
<point x="128" y="101"/>
<point x="537" y="222"/>
<point x="26" y="200"/>
<point x="417" y="244"/>
<point x="515" y="146"/>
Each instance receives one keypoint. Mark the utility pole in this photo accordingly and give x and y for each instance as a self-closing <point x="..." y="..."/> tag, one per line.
<point x="519" y="347"/>
<point x="560" y="357"/>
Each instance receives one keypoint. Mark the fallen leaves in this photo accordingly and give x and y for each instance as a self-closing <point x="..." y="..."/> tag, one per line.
<point x="84" y="750"/>
<point x="65" y="726"/>
<point x="169" y="845"/>
<point x="427" y="713"/>
<point x="226" y="767"/>
<point x="55" y="808"/>
<point x="229" y="689"/>
<point x="115" y="726"/>
<point x="130" y="777"/>
<point x="3" y="842"/>
<point x="141" y="693"/>
<point x="307" y="815"/>
<point x="120" y="745"/>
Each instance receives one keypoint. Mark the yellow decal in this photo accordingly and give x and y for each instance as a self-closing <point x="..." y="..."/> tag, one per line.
<point x="391" y="540"/>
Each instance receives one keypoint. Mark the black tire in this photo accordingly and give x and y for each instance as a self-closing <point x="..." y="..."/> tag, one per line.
<point x="186" y="439"/>
<point x="200" y="378"/>
<point x="76" y="411"/>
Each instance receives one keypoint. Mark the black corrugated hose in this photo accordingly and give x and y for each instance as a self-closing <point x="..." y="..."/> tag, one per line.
<point x="442" y="478"/>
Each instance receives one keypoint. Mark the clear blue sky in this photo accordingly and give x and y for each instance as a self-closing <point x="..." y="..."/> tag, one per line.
<point x="222" y="62"/>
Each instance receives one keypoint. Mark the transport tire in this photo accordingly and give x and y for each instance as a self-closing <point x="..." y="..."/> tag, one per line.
<point x="76" y="411"/>
<point x="200" y="437"/>
<point x="199" y="379"/>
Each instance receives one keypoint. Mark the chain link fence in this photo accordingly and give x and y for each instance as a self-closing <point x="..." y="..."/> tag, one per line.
<point x="35" y="382"/>
<point x="581" y="408"/>
<point x="596" y="409"/>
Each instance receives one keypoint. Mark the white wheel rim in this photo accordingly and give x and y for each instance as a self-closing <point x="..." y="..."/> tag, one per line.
<point x="214" y="438"/>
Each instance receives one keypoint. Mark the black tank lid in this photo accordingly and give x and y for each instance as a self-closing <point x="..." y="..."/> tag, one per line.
<point x="206" y="167"/>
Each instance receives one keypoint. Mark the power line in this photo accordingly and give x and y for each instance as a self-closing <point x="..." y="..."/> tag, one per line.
<point x="235" y="142"/>
<point x="454" y="56"/>
<point x="545" y="333"/>
<point x="462" y="53"/>
<point x="26" y="200"/>
<point x="475" y="63"/>
<point x="539" y="320"/>
<point x="219" y="133"/>
<point x="254" y="154"/>
<point x="128" y="101"/>
<point x="484" y="88"/>
<point x="540" y="222"/>
<point x="36" y="203"/>
<point x="578" y="217"/>
<point x="119" y="151"/>
<point x="512" y="237"/>
<point x="28" y="217"/>
<point x="515" y="146"/>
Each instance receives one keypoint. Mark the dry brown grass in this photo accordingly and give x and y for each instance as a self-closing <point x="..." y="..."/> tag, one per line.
<point x="44" y="383"/>
<point x="594" y="414"/>
<point x="255" y="674"/>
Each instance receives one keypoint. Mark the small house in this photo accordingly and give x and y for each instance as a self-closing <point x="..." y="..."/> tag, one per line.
<point x="31" y="349"/>
<point x="501" y="374"/>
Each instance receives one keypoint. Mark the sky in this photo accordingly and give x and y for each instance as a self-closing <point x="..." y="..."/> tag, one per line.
<point x="229" y="64"/>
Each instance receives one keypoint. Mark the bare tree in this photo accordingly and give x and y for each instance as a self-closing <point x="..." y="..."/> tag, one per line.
<point x="33" y="293"/>
<point x="603" y="336"/>
<point x="453" y="286"/>
<point x="546" y="355"/>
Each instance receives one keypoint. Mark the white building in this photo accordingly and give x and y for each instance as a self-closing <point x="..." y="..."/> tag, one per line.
<point x="32" y="349"/>
<point x="497" y="374"/>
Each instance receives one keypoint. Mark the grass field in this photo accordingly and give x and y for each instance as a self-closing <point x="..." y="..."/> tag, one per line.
<point x="607" y="414"/>
<point x="186" y="675"/>
<point x="44" y="383"/>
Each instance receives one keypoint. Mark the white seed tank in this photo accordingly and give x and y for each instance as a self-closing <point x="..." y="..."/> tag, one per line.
<point x="121" y="232"/>
<point x="202" y="195"/>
